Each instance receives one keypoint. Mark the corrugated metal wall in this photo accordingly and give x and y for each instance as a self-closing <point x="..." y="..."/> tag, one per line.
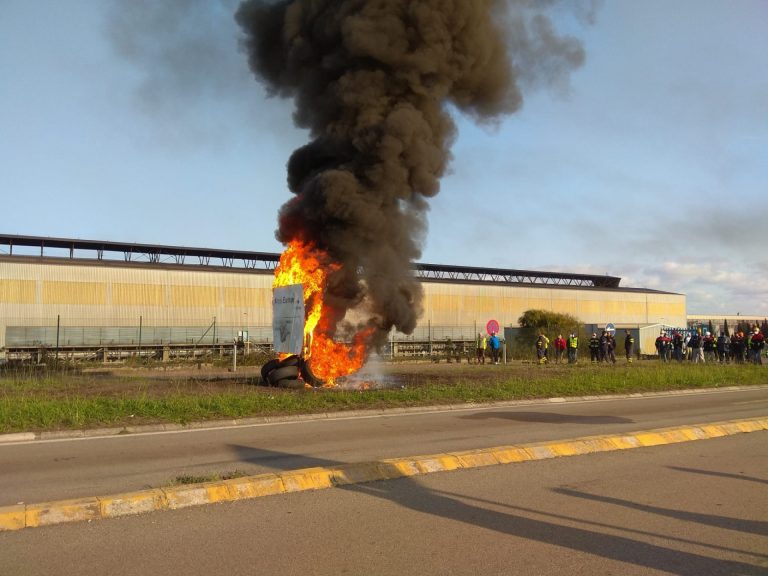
<point x="456" y="304"/>
<point x="107" y="301"/>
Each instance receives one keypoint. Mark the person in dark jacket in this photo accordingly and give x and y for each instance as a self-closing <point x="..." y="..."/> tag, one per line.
<point x="756" y="345"/>
<point x="723" y="348"/>
<point x="594" y="348"/>
<point x="737" y="347"/>
<point x="709" y="347"/>
<point x="611" y="348"/>
<point x="696" y="346"/>
<point x="677" y="346"/>
<point x="629" y="345"/>
<point x="663" y="344"/>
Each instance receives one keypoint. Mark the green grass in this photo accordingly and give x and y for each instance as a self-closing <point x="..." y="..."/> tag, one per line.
<point x="78" y="402"/>
<point x="199" y="479"/>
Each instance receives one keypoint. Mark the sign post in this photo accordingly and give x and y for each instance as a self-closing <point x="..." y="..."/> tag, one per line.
<point x="288" y="319"/>
<point x="492" y="327"/>
<point x="610" y="328"/>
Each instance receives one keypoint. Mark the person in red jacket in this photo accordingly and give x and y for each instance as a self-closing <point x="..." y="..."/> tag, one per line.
<point x="559" y="348"/>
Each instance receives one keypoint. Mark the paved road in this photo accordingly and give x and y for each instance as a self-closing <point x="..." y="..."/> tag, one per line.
<point x="40" y="471"/>
<point x="693" y="509"/>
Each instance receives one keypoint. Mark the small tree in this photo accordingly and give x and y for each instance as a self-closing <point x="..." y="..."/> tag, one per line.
<point x="725" y="327"/>
<point x="534" y="322"/>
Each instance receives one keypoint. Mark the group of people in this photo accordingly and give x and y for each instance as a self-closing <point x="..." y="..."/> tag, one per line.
<point x="693" y="346"/>
<point x="601" y="348"/>
<point x="704" y="347"/>
<point x="563" y="347"/>
<point x="485" y="345"/>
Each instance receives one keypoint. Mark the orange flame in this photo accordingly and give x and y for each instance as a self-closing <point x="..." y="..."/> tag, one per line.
<point x="303" y="263"/>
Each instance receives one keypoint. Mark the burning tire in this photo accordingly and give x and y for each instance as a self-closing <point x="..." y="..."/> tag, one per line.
<point x="308" y="376"/>
<point x="291" y="383"/>
<point x="291" y="372"/>
<point x="267" y="368"/>
<point x="282" y="373"/>
<point x="290" y="361"/>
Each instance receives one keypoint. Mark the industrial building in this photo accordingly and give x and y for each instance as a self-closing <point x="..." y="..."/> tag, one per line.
<point x="73" y="295"/>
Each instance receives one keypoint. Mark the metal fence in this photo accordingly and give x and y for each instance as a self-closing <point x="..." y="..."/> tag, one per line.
<point x="96" y="336"/>
<point x="60" y="335"/>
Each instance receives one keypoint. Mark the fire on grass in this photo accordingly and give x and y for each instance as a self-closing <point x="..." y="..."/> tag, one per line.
<point x="324" y="359"/>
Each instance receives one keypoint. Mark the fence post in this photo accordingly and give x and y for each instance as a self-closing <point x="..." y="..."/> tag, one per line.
<point x="58" y="326"/>
<point x="141" y="321"/>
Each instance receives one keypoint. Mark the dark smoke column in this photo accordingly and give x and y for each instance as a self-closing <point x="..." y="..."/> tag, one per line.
<point x="371" y="80"/>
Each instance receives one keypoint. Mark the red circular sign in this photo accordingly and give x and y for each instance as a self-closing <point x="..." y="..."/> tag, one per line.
<point x="492" y="327"/>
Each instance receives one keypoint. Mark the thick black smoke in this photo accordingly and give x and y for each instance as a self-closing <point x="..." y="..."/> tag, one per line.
<point x="372" y="80"/>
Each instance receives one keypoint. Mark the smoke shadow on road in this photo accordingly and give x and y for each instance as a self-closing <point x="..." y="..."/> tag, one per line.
<point x="749" y="526"/>
<point x="565" y="518"/>
<point x="412" y="494"/>
<point x="718" y="474"/>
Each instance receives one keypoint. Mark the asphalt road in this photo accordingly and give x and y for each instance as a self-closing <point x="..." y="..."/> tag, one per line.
<point x="39" y="471"/>
<point x="692" y="509"/>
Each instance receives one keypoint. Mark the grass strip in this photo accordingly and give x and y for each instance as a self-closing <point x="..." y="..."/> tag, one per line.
<point x="69" y="403"/>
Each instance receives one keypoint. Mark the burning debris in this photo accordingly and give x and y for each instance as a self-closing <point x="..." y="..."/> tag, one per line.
<point x="373" y="82"/>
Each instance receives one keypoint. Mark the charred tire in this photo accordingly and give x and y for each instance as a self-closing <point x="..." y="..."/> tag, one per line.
<point x="290" y="361"/>
<point x="267" y="368"/>
<point x="308" y="376"/>
<point x="291" y="383"/>
<point x="278" y="374"/>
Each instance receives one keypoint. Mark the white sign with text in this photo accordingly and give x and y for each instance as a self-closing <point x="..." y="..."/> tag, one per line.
<point x="288" y="319"/>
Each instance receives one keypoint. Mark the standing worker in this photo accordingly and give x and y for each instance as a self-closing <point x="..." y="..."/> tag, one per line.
<point x="629" y="345"/>
<point x="677" y="346"/>
<point x="559" y="348"/>
<point x="609" y="346"/>
<point x="481" y="345"/>
<point x="709" y="347"/>
<point x="696" y="346"/>
<point x="723" y="348"/>
<point x="756" y="345"/>
<point x="495" y="345"/>
<point x="737" y="347"/>
<point x="573" y="348"/>
<point x="542" y="343"/>
<point x="594" y="348"/>
<point x="662" y="347"/>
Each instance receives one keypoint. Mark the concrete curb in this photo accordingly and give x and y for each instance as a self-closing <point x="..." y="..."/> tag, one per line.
<point x="19" y="516"/>
<point x="263" y="420"/>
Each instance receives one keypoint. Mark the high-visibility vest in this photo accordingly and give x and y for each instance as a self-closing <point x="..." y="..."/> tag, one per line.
<point x="573" y="342"/>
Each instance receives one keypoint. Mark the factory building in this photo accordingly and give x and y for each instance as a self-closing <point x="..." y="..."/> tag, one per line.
<point x="80" y="294"/>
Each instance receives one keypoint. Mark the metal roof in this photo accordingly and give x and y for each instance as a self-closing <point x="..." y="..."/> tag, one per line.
<point x="188" y="256"/>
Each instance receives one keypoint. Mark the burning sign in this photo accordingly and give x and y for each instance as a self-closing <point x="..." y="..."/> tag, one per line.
<point x="288" y="319"/>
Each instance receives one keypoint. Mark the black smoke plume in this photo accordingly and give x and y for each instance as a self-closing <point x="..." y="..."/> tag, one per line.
<point x="374" y="81"/>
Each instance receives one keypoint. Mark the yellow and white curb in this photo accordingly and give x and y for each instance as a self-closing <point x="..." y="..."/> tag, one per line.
<point x="21" y="516"/>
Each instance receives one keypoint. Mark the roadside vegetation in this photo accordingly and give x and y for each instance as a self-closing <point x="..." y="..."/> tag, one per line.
<point x="126" y="397"/>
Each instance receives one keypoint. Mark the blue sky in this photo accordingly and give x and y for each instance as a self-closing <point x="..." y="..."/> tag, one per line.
<point x="140" y="122"/>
